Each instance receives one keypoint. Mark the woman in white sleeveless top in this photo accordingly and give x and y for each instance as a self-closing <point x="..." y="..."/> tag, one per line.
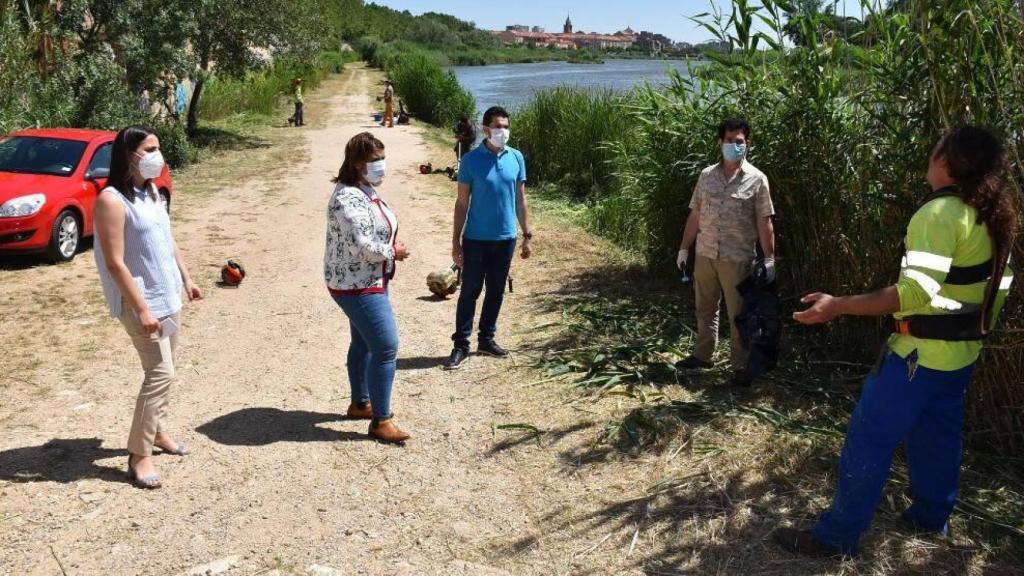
<point x="143" y="274"/>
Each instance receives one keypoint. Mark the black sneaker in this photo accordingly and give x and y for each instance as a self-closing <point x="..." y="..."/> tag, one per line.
<point x="454" y="362"/>
<point x="491" y="348"/>
<point x="742" y="378"/>
<point x="693" y="363"/>
<point x="803" y="543"/>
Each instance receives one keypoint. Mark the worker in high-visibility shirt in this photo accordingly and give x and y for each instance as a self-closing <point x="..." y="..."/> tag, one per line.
<point x="954" y="281"/>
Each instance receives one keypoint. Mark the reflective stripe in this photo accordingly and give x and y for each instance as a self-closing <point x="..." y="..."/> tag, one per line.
<point x="1006" y="283"/>
<point x="926" y="282"/>
<point x="944" y="303"/>
<point x="929" y="261"/>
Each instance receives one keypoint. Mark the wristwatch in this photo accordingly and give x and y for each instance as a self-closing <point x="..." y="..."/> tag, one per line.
<point x="527" y="235"/>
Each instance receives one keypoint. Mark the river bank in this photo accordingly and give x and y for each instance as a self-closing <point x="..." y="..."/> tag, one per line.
<point x="513" y="86"/>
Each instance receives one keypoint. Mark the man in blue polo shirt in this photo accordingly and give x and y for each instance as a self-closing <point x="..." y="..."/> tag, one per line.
<point x="492" y="196"/>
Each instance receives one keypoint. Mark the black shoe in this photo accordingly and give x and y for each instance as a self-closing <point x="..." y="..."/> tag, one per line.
<point x="921" y="530"/>
<point x="803" y="543"/>
<point x="742" y="378"/>
<point x="454" y="362"/>
<point x="491" y="348"/>
<point x="693" y="363"/>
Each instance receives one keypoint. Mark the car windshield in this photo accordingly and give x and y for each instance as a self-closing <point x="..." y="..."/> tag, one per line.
<point x="35" y="155"/>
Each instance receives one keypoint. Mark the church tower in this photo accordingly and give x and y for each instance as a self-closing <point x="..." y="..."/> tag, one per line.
<point x="568" y="25"/>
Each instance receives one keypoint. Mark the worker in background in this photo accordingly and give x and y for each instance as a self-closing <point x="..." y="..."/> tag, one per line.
<point x="389" y="105"/>
<point x="299" y="118"/>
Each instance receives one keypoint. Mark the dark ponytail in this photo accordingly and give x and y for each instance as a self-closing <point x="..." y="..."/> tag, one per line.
<point x="975" y="159"/>
<point x="126" y="143"/>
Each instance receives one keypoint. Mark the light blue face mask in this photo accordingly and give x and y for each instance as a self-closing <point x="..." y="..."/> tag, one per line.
<point x="734" y="152"/>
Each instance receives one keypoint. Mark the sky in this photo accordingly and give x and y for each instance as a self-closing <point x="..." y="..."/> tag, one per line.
<point x="666" y="17"/>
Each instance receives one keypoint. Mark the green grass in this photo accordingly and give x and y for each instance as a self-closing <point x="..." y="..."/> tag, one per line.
<point x="262" y="92"/>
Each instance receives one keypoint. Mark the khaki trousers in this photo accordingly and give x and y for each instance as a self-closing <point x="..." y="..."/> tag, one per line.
<point x="157" y="355"/>
<point x="712" y="279"/>
<point x="389" y="114"/>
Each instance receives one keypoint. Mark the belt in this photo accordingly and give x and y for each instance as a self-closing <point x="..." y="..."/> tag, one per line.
<point x="948" y="327"/>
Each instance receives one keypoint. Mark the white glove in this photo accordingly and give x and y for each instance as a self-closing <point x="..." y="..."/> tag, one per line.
<point x="769" y="268"/>
<point x="681" y="259"/>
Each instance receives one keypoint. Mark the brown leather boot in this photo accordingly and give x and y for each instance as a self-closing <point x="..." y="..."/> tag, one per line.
<point x="357" y="412"/>
<point x="386" y="431"/>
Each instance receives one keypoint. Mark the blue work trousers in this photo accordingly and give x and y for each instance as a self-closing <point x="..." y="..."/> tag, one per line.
<point x="900" y="403"/>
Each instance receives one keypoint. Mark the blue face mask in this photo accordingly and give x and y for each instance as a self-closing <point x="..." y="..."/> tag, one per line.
<point x="734" y="152"/>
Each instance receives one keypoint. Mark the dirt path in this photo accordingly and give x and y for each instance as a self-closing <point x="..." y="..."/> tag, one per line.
<point x="277" y="479"/>
<point x="280" y="483"/>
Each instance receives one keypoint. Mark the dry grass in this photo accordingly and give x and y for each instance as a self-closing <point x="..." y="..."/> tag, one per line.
<point x="689" y="475"/>
<point x="59" y="310"/>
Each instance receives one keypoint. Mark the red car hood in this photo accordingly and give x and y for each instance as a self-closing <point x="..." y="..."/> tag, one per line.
<point x="14" y="184"/>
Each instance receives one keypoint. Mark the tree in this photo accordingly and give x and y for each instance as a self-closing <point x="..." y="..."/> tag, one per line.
<point x="146" y="39"/>
<point x="433" y="33"/>
<point x="228" y="35"/>
<point x="805" y="16"/>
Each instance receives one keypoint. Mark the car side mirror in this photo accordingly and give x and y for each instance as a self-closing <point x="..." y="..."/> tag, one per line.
<point x="97" y="174"/>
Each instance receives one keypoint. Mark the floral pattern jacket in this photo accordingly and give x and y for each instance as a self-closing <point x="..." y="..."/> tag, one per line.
<point x="361" y="230"/>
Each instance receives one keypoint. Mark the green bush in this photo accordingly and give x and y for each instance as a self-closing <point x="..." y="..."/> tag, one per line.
<point x="174" y="143"/>
<point x="430" y="92"/>
<point x="261" y="92"/>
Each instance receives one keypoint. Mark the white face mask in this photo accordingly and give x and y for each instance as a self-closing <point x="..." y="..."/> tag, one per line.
<point x="499" y="137"/>
<point x="151" y="165"/>
<point x="375" y="172"/>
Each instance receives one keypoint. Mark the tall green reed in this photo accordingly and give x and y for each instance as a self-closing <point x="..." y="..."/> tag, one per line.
<point x="565" y="132"/>
<point x="843" y="130"/>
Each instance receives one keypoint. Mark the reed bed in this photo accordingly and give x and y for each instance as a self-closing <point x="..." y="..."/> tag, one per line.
<point x="843" y="128"/>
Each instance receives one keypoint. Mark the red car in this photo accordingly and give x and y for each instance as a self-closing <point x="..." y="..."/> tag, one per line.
<point x="49" y="180"/>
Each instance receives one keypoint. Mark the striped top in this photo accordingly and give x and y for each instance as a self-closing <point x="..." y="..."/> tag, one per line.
<point x="148" y="254"/>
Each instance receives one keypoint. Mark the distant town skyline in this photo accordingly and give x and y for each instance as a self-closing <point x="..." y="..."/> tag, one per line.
<point x="668" y="17"/>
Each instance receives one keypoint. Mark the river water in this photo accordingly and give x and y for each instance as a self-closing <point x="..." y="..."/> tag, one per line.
<point x="512" y="85"/>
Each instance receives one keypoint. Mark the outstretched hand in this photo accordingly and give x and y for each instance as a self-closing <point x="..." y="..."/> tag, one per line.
<point x="824" y="308"/>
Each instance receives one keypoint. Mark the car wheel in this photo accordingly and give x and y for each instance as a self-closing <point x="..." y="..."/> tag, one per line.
<point x="166" y="197"/>
<point x="65" y="237"/>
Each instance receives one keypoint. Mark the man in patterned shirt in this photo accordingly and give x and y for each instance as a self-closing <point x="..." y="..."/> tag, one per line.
<point x="732" y="210"/>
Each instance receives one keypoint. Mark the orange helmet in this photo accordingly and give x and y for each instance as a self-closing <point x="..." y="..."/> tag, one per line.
<point x="232" y="273"/>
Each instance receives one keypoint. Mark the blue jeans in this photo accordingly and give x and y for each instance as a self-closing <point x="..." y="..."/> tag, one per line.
<point x="484" y="264"/>
<point x="924" y="409"/>
<point x="373" y="353"/>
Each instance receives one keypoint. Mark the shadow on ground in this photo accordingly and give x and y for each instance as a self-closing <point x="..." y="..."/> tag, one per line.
<point x="16" y="262"/>
<point x="420" y="362"/>
<point x="715" y="512"/>
<point x="212" y="138"/>
<point x="60" y="460"/>
<point x="265" y="426"/>
<point x="541" y="437"/>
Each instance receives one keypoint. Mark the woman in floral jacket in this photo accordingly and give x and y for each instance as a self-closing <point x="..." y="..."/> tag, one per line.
<point x="358" y="264"/>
